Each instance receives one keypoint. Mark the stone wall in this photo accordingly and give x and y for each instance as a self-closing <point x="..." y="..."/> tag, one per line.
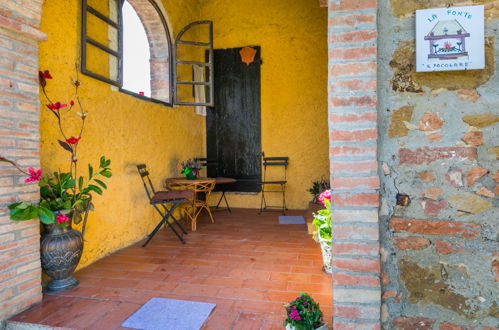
<point x="438" y="137"/>
<point x="20" y="270"/>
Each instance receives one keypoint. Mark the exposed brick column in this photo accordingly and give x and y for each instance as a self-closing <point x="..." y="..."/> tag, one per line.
<point x="352" y="40"/>
<point x="20" y="271"/>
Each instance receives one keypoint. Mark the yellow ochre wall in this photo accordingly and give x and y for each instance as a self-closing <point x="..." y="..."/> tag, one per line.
<point x="123" y="128"/>
<point x="293" y="39"/>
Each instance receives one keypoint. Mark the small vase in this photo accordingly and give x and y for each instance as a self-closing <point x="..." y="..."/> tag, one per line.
<point x="60" y="249"/>
<point x="191" y="176"/>
<point x="327" y="255"/>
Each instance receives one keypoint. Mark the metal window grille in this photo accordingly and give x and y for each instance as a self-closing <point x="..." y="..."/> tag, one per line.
<point x="208" y="64"/>
<point x="87" y="40"/>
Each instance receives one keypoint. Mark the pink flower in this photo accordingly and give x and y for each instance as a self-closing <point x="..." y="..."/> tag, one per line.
<point x="34" y="175"/>
<point x="325" y="195"/>
<point x="447" y="45"/>
<point x="61" y="218"/>
<point x="294" y="315"/>
<point x="72" y="103"/>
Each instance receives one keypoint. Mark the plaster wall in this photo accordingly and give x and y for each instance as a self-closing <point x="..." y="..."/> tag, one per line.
<point x="438" y="137"/>
<point x="293" y="40"/>
<point x="125" y="129"/>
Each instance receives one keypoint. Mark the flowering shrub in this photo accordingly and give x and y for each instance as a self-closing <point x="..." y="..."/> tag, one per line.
<point x="303" y="313"/>
<point x="63" y="194"/>
<point x="322" y="219"/>
<point x="325" y="195"/>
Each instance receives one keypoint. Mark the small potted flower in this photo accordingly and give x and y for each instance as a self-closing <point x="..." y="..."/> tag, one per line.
<point x="323" y="230"/>
<point x="191" y="168"/>
<point x="304" y="313"/>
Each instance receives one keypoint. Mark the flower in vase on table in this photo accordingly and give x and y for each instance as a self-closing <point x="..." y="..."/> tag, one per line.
<point x="191" y="168"/>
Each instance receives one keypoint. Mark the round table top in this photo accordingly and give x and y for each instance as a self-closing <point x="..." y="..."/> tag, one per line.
<point x="184" y="180"/>
<point x="223" y="180"/>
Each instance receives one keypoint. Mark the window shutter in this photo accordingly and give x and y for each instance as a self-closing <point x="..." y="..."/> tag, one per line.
<point x="102" y="40"/>
<point x="194" y="72"/>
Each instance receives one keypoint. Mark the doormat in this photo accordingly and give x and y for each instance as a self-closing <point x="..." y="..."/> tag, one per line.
<point x="291" y="220"/>
<point x="160" y="313"/>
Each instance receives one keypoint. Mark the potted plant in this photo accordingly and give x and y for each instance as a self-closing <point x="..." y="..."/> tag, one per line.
<point x="323" y="230"/>
<point x="65" y="198"/>
<point x="304" y="313"/>
<point x="317" y="188"/>
<point x="191" y="168"/>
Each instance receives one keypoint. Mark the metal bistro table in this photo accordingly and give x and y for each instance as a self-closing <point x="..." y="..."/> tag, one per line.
<point x="202" y="188"/>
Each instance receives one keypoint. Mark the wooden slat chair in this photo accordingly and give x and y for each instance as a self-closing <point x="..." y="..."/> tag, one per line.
<point x="165" y="202"/>
<point x="274" y="182"/>
<point x="202" y="190"/>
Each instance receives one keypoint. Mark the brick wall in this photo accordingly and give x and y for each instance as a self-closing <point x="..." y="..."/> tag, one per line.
<point x="20" y="272"/>
<point x="353" y="146"/>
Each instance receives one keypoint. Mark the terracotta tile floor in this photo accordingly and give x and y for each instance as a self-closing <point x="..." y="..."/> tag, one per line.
<point x="245" y="263"/>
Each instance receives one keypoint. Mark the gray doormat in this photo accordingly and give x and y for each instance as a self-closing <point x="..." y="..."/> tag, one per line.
<point x="291" y="220"/>
<point x="160" y="313"/>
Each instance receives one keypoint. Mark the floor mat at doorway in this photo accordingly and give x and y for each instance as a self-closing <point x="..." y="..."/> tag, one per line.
<point x="161" y="313"/>
<point x="291" y="220"/>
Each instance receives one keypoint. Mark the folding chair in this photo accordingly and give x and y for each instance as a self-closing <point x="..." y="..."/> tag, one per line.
<point x="167" y="200"/>
<point x="277" y="180"/>
<point x="220" y="182"/>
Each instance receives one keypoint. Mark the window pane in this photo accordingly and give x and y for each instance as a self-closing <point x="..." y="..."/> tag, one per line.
<point x="136" y="54"/>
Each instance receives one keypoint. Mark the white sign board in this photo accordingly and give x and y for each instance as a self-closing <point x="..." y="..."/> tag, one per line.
<point x="450" y="39"/>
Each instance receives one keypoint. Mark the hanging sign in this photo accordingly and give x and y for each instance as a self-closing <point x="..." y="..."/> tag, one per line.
<point x="450" y="39"/>
<point x="247" y="55"/>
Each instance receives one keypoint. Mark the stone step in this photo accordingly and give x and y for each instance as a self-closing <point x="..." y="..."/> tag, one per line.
<point x="14" y="325"/>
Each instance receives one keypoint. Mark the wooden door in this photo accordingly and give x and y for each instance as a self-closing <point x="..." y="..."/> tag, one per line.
<point x="233" y="124"/>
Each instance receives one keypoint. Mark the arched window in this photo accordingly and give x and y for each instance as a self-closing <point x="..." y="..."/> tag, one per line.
<point x="136" y="54"/>
<point x="158" y="35"/>
<point x="126" y="43"/>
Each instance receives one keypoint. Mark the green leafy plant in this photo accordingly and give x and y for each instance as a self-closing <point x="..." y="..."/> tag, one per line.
<point x="318" y="187"/>
<point x="303" y="313"/>
<point x="64" y="196"/>
<point x="322" y="219"/>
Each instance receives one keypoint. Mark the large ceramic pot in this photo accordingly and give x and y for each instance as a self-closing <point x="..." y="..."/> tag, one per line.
<point x="61" y="249"/>
<point x="327" y="255"/>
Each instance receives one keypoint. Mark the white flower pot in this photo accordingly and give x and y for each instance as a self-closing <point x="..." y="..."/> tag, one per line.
<point x="322" y="327"/>
<point x="327" y="255"/>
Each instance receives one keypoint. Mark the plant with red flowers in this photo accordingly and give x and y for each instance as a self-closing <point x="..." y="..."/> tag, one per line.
<point x="303" y="313"/>
<point x="64" y="196"/>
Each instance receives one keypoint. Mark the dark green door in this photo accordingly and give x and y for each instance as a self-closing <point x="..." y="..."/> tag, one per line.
<point x="233" y="124"/>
